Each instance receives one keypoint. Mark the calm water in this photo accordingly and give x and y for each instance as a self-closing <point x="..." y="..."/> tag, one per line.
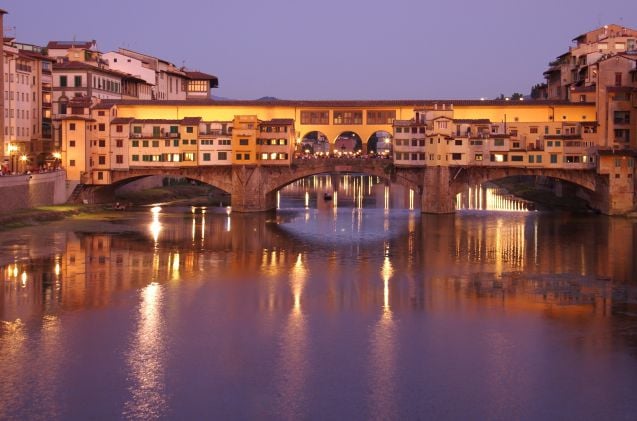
<point x="346" y="312"/>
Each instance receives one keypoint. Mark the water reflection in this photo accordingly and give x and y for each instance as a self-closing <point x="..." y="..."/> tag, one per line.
<point x="294" y="363"/>
<point x="146" y="359"/>
<point x="358" y="306"/>
<point x="383" y="355"/>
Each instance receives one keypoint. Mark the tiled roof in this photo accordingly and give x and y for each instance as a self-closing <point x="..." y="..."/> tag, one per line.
<point x="191" y="120"/>
<point x="61" y="45"/>
<point x="78" y="65"/>
<point x="196" y="75"/>
<point x="472" y="121"/>
<point x="279" y="121"/>
<point x="353" y="103"/>
<point x="155" y="121"/>
<point x="122" y="120"/>
<point x="103" y="106"/>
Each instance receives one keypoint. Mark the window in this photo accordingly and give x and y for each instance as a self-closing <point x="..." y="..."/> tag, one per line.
<point x="618" y="79"/>
<point x="442" y="124"/>
<point x="119" y="159"/>
<point x="101" y="127"/>
<point x="553" y="158"/>
<point x="137" y="129"/>
<point x="458" y="142"/>
<point x="63" y="81"/>
<point x="348" y="117"/>
<point x="71" y="143"/>
<point x="531" y="159"/>
<point x="621" y="117"/>
<point x="174" y="129"/>
<point x="243" y="142"/>
<point x="381" y="117"/>
<point x="206" y="156"/>
<point x="189" y="129"/>
<point x="498" y="142"/>
<point x="102" y="143"/>
<point x="72" y="163"/>
<point x="246" y="156"/>
<point x="538" y="159"/>
<point x="175" y="142"/>
<point x="315" y="117"/>
<point x="101" y="160"/>
<point x="119" y="128"/>
<point x="478" y="157"/>
<point x="533" y="130"/>
<point x="119" y="143"/>
<point x="100" y="176"/>
<point x="224" y="142"/>
<point x="72" y="127"/>
<point x="193" y="141"/>
<point x="77" y="81"/>
<point x="135" y="143"/>
<point x="145" y="143"/>
<point x="135" y="158"/>
<point x="155" y="143"/>
<point x="456" y="156"/>
<point x="517" y="158"/>
<point x="222" y="156"/>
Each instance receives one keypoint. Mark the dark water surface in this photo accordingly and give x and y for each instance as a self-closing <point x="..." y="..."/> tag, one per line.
<point x="320" y="313"/>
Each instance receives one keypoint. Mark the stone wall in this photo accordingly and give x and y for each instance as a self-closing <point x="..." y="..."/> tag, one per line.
<point x="28" y="191"/>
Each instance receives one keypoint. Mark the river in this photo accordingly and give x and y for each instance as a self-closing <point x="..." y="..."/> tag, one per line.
<point x="346" y="306"/>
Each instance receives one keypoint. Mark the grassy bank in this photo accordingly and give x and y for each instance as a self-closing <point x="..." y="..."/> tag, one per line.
<point x="29" y="217"/>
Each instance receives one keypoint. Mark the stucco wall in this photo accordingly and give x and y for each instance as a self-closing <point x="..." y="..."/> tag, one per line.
<point x="27" y="191"/>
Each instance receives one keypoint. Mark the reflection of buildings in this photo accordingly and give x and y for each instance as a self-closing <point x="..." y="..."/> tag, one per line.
<point x="519" y="259"/>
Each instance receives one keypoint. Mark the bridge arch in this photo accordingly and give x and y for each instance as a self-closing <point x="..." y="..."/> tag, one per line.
<point x="380" y="142"/>
<point x="218" y="177"/>
<point x="587" y="182"/>
<point x="378" y="167"/>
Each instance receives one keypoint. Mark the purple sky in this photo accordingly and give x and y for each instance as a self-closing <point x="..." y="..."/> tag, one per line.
<point x="334" y="49"/>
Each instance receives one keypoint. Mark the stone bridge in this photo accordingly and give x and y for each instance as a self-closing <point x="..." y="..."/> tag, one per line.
<point x="254" y="188"/>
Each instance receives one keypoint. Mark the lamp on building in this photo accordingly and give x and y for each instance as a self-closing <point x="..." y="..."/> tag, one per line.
<point x="12" y="150"/>
<point x="23" y="159"/>
<point x="58" y="157"/>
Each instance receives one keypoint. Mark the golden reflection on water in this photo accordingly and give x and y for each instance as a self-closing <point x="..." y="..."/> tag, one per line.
<point x="383" y="354"/>
<point x="146" y="358"/>
<point x="293" y="365"/>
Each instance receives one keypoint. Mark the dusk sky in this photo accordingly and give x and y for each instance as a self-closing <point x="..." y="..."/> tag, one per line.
<point x="333" y="49"/>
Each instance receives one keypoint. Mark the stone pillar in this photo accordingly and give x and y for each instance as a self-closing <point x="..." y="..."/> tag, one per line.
<point x="437" y="196"/>
<point x="250" y="190"/>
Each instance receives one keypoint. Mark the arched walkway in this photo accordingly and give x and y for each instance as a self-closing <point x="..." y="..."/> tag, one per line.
<point x="314" y="142"/>
<point x="380" y="142"/>
<point x="347" y="143"/>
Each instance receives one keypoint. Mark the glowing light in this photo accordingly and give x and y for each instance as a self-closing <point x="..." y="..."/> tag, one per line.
<point x="23" y="278"/>
<point x="228" y="210"/>
<point x="155" y="225"/>
<point x="57" y="269"/>
<point x="57" y="155"/>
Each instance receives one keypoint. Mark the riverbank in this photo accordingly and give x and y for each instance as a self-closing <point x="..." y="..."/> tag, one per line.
<point x="35" y="216"/>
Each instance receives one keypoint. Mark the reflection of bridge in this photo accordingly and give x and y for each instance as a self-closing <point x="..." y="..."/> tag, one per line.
<point x="254" y="188"/>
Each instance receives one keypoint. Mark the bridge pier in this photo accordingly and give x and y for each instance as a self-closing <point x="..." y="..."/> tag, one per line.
<point x="437" y="195"/>
<point x="249" y="190"/>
